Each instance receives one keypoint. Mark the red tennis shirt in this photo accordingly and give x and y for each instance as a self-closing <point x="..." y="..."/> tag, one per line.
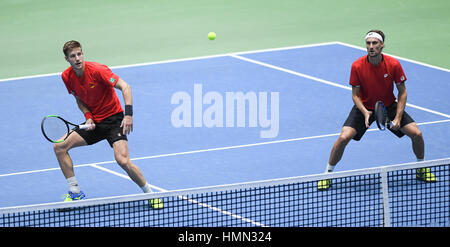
<point x="95" y="88"/>
<point x="376" y="81"/>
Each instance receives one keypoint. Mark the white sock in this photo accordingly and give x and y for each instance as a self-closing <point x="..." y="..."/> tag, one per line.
<point x="330" y="168"/>
<point x="73" y="185"/>
<point x="146" y="188"/>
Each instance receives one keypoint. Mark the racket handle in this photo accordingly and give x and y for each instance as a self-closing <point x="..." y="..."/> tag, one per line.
<point x="84" y="126"/>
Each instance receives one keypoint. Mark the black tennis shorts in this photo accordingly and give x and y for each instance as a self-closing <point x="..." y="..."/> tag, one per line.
<point x="356" y="120"/>
<point x="108" y="129"/>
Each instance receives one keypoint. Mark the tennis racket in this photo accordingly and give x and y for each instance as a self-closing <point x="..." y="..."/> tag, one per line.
<point x="381" y="116"/>
<point x="56" y="129"/>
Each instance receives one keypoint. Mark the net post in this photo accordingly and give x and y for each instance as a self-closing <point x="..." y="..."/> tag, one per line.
<point x="385" y="197"/>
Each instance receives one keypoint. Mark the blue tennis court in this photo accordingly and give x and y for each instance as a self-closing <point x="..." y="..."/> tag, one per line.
<point x="309" y="83"/>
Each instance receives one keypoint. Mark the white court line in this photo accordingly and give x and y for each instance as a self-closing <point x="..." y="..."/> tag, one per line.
<point x="237" y="55"/>
<point x="229" y="54"/>
<point x="184" y="197"/>
<point x="207" y="150"/>
<point x="401" y="58"/>
<point x="96" y="165"/>
<point x="334" y="84"/>
<point x="179" y="60"/>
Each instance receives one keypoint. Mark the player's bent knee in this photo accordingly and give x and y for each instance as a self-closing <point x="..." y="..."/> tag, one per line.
<point x="345" y="137"/>
<point x="59" y="148"/>
<point x="417" y="135"/>
<point x="347" y="134"/>
<point x="74" y="140"/>
<point x="413" y="132"/>
<point x="123" y="161"/>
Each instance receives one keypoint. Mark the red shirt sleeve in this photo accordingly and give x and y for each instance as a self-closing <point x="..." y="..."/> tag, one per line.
<point x="354" y="78"/>
<point x="399" y="75"/>
<point x="107" y="76"/>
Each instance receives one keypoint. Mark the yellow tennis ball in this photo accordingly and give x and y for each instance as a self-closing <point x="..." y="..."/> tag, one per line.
<point x="211" y="35"/>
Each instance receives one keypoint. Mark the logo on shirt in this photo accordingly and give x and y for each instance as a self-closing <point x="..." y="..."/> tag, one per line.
<point x="402" y="78"/>
<point x="112" y="80"/>
<point x="91" y="84"/>
<point x="385" y="75"/>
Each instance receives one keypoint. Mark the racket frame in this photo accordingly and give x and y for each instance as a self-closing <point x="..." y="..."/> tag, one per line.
<point x="379" y="105"/>
<point x="67" y="123"/>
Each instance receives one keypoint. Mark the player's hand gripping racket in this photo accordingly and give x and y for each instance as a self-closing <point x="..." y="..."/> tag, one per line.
<point x="56" y="129"/>
<point x="381" y="116"/>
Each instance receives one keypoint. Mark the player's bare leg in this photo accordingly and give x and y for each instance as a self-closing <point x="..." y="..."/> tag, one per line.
<point x="337" y="151"/>
<point x="418" y="145"/>
<point x="62" y="153"/>
<point x="122" y="157"/>
<point x="66" y="164"/>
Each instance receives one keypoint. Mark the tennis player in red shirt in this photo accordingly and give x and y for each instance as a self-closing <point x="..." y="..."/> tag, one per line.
<point x="372" y="78"/>
<point x="93" y="86"/>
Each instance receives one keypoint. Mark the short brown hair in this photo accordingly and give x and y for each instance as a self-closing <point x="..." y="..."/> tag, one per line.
<point x="379" y="32"/>
<point x="69" y="45"/>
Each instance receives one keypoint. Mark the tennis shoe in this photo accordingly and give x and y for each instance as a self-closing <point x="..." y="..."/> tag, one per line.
<point x="324" y="184"/>
<point x="425" y="175"/>
<point x="74" y="196"/>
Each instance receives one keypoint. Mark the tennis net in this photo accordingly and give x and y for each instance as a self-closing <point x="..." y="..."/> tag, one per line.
<point x="382" y="196"/>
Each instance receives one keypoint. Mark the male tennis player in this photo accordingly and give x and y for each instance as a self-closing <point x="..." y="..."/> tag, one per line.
<point x="372" y="78"/>
<point x="92" y="84"/>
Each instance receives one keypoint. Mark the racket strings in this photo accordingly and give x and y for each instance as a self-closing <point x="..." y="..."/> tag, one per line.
<point x="54" y="128"/>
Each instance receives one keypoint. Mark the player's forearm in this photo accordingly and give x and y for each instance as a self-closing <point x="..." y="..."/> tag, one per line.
<point x="357" y="100"/>
<point x="126" y="91"/>
<point x="83" y="108"/>
<point x="127" y="97"/>
<point x="402" y="96"/>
